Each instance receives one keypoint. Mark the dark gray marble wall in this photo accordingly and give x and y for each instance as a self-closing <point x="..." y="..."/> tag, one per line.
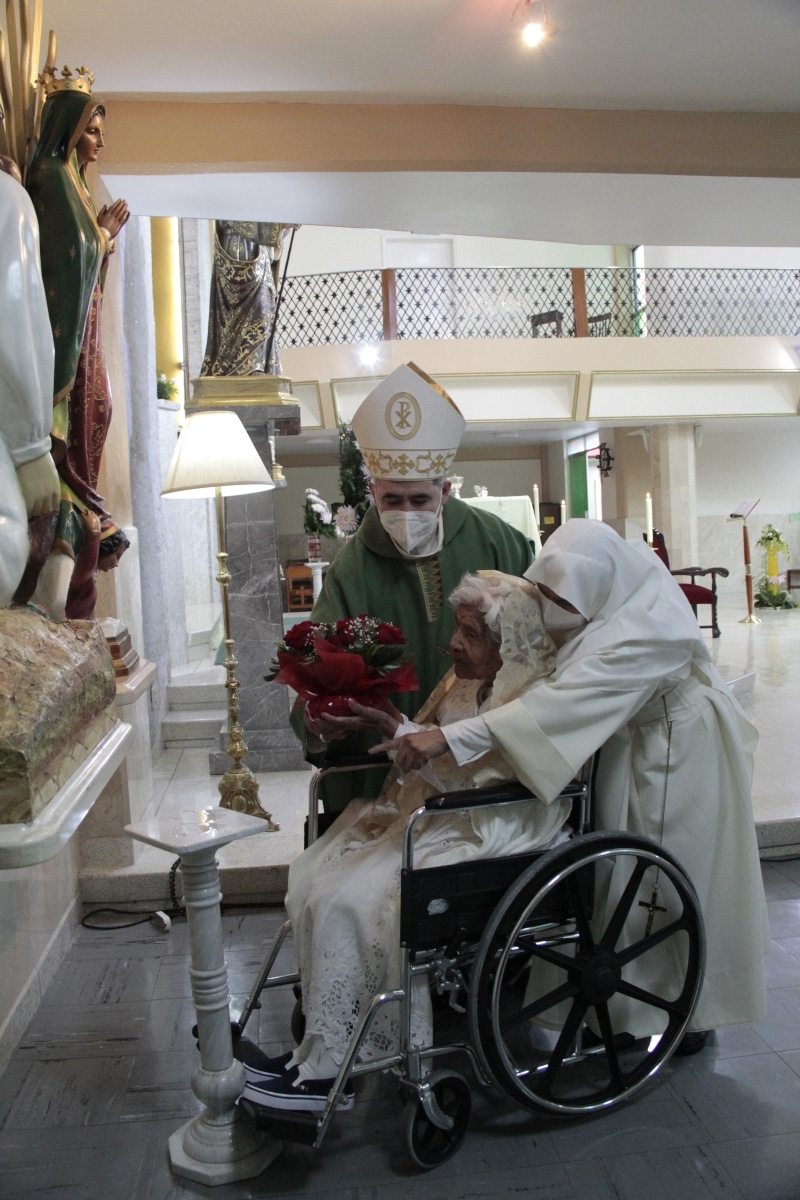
<point x="256" y="609"/>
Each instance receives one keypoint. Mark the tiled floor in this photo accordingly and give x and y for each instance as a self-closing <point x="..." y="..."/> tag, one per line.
<point x="101" y="1078"/>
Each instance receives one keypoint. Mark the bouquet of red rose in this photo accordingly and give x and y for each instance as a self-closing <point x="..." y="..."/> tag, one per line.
<point x="329" y="664"/>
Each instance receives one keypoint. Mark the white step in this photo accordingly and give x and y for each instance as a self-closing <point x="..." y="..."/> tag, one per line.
<point x="200" y="690"/>
<point x="195" y="729"/>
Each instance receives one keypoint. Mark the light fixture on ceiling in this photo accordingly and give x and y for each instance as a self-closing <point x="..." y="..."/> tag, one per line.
<point x="369" y="355"/>
<point x="535" y="28"/>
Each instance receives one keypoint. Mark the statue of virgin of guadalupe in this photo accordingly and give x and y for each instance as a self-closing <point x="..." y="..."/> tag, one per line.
<point x="76" y="241"/>
<point x="243" y="298"/>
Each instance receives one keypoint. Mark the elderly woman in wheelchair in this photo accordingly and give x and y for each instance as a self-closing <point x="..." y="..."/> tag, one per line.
<point x="344" y="891"/>
<point x="581" y="957"/>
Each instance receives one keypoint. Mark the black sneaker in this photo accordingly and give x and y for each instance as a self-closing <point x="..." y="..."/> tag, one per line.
<point x="692" y="1043"/>
<point x="257" y="1064"/>
<point x="287" y="1092"/>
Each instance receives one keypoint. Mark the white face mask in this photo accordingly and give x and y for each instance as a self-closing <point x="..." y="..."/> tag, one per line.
<point x="415" y="534"/>
<point x="556" y="617"/>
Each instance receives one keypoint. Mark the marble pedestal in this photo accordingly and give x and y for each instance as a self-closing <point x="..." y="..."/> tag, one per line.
<point x="316" y="577"/>
<point x="256" y="609"/>
<point x="222" y="1144"/>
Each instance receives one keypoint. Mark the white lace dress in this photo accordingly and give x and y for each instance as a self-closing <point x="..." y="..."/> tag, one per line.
<point x="344" y="891"/>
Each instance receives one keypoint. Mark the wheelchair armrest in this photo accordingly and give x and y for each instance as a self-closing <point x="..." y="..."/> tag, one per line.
<point x="475" y="797"/>
<point x="496" y="794"/>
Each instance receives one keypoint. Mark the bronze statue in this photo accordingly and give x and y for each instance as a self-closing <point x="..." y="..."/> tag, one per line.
<point x="243" y="299"/>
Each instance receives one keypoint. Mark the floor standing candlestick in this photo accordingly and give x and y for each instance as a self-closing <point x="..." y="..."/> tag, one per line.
<point x="750" y="619"/>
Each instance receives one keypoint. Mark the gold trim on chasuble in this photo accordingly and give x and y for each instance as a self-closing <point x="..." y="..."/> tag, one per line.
<point x="430" y="578"/>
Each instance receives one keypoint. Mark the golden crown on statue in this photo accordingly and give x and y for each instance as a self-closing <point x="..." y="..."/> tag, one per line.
<point x="78" y="81"/>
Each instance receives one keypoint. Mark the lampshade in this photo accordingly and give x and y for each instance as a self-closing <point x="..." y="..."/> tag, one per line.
<point x="214" y="451"/>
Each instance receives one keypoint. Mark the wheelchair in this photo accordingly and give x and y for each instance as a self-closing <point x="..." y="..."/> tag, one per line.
<point x="551" y="952"/>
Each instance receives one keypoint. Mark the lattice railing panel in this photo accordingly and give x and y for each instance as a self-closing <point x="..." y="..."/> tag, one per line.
<point x="481" y="302"/>
<point x="318" y="310"/>
<point x="523" y="302"/>
<point x="696" y="301"/>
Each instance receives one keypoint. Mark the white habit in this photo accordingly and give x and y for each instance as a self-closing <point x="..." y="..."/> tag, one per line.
<point x="637" y="684"/>
<point x="26" y="372"/>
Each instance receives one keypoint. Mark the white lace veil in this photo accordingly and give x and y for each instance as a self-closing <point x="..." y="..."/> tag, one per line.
<point x="526" y="648"/>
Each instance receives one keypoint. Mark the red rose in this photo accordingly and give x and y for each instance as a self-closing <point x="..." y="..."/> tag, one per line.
<point x="344" y="633"/>
<point x="389" y="635"/>
<point x="300" y="636"/>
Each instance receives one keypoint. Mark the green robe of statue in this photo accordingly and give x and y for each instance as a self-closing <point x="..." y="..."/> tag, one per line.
<point x="370" y="576"/>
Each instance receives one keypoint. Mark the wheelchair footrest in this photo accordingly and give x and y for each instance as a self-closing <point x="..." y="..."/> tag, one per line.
<point x="301" y="1127"/>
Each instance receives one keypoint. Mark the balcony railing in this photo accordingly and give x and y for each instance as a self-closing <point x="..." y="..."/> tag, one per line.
<point x="355" y="307"/>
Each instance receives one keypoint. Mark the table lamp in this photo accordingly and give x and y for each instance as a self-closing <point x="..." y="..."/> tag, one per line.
<point x="215" y="457"/>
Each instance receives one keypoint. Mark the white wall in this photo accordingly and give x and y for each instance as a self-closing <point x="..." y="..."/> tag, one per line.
<point x="320" y="250"/>
<point x="737" y="466"/>
<point x="721" y="256"/>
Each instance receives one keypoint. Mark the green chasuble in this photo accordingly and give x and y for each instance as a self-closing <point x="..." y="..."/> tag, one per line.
<point x="370" y="576"/>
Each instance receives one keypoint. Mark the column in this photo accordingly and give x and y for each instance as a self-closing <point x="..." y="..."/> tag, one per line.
<point x="672" y="460"/>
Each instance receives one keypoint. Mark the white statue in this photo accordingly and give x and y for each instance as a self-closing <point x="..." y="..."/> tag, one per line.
<point x="29" y="483"/>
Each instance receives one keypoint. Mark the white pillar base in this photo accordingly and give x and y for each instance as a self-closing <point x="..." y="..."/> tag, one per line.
<point x="214" y="1173"/>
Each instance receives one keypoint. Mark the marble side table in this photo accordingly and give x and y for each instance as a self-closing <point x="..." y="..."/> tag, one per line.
<point x="221" y="1144"/>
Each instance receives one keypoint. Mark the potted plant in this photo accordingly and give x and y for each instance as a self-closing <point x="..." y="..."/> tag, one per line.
<point x="349" y="512"/>
<point x="166" y="389"/>
<point x="770" y="588"/>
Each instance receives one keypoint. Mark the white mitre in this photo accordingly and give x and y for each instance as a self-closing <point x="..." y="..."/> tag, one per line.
<point x="408" y="427"/>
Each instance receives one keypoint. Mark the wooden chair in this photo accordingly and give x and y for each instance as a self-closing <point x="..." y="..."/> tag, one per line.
<point x="695" y="593"/>
<point x="299" y="590"/>
<point x="553" y="317"/>
<point x="600" y="325"/>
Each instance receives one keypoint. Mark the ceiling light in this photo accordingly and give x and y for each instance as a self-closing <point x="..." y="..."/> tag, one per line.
<point x="536" y="27"/>
<point x="369" y="355"/>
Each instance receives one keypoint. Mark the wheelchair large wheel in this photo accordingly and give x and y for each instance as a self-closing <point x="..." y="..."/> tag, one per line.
<point x="587" y="974"/>
<point x="429" y="1144"/>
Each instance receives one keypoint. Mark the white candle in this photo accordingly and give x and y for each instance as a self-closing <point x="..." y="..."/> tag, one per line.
<point x="563" y="511"/>
<point x="598" y="497"/>
<point x="536" y="504"/>
<point x="648" y="515"/>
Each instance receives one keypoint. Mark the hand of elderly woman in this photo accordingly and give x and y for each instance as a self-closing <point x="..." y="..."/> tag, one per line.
<point x="364" y="718"/>
<point x="414" y="750"/>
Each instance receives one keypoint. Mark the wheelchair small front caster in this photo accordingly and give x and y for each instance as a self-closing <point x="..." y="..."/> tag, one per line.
<point x="429" y="1144"/>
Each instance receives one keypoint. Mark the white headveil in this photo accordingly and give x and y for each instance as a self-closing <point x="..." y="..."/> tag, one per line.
<point x="622" y="589"/>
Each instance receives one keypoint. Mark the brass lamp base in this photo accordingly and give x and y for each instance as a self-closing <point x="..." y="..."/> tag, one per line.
<point x="238" y="786"/>
<point x="750" y="620"/>
<point x="238" y="790"/>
